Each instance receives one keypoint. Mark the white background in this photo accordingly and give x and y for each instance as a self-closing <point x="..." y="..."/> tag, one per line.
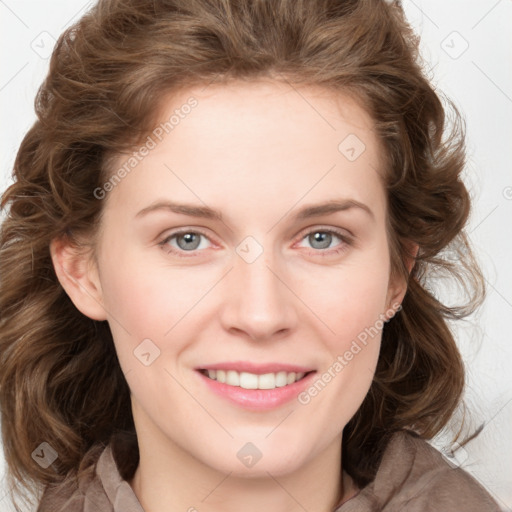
<point x="467" y="46"/>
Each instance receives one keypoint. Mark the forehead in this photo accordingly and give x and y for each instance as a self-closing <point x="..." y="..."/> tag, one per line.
<point x="268" y="113"/>
<point x="257" y="143"/>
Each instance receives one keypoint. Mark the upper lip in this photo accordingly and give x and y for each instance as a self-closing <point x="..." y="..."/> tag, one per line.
<point x="258" y="369"/>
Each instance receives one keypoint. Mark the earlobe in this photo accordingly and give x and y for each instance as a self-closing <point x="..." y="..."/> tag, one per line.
<point x="395" y="297"/>
<point x="78" y="275"/>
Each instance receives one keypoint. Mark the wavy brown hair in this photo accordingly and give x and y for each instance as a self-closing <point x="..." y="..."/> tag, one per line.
<point x="60" y="379"/>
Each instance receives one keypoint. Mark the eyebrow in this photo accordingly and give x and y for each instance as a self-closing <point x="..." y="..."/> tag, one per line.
<point x="306" y="212"/>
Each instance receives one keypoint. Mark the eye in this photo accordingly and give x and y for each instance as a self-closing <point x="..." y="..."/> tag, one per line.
<point x="321" y="239"/>
<point x="183" y="241"/>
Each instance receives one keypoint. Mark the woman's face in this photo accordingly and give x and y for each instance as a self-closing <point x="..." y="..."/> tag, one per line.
<point x="254" y="275"/>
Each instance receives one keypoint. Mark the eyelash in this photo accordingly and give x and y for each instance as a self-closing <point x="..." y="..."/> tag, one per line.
<point x="345" y="239"/>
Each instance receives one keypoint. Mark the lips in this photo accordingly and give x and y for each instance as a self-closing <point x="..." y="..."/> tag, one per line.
<point x="256" y="386"/>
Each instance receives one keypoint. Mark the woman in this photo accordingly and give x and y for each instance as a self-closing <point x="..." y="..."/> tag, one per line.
<point x="254" y="369"/>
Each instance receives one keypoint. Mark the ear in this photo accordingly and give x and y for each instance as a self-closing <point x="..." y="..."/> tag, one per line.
<point x="412" y="253"/>
<point x="77" y="272"/>
<point x="398" y="284"/>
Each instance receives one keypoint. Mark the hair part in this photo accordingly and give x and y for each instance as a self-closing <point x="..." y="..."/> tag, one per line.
<point x="109" y="76"/>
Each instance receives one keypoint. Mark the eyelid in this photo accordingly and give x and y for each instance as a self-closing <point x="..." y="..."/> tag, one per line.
<point x="341" y="232"/>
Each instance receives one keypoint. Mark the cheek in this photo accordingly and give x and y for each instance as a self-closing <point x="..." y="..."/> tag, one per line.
<point x="350" y="357"/>
<point x="140" y="291"/>
<point x="150" y="301"/>
<point x="351" y="306"/>
<point x="348" y="300"/>
<point x="354" y="348"/>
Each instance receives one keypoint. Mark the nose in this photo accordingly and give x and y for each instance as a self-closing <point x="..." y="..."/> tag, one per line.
<point x="259" y="302"/>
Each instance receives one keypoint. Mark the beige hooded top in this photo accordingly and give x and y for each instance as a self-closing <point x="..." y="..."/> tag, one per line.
<point x="412" y="477"/>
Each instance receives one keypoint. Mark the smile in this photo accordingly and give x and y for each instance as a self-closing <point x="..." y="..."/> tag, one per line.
<point x="256" y="391"/>
<point x="248" y="380"/>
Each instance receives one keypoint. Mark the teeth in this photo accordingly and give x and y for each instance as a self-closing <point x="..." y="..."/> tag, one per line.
<point x="252" y="381"/>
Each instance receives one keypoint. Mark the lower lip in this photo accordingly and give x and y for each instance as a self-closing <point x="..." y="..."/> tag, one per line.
<point x="258" y="399"/>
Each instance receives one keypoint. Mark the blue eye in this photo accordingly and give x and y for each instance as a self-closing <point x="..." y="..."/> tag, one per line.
<point x="186" y="241"/>
<point x="324" y="237"/>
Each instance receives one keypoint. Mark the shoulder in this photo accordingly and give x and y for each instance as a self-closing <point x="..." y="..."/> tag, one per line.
<point x="432" y="483"/>
<point x="77" y="494"/>
<point x="414" y="476"/>
<point x="101" y="487"/>
<point x="60" y="497"/>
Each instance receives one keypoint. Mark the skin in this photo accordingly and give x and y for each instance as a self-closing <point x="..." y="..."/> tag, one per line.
<point x="258" y="152"/>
